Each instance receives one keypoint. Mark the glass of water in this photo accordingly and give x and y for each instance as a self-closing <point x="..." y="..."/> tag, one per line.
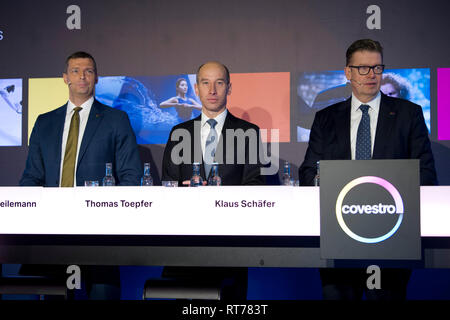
<point x="169" y="183"/>
<point x="91" y="183"/>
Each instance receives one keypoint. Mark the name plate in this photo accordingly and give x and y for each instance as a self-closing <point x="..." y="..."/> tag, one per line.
<point x="218" y="211"/>
<point x="240" y="210"/>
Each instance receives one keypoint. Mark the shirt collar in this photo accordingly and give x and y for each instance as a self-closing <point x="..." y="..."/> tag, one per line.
<point x="220" y="118"/>
<point x="373" y="104"/>
<point x="86" y="106"/>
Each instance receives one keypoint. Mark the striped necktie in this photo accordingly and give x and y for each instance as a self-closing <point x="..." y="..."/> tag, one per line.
<point x="210" y="147"/>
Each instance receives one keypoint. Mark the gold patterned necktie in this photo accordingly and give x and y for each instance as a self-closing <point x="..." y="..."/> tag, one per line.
<point x="71" y="150"/>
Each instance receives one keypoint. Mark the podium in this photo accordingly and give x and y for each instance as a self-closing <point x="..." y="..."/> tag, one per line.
<point x="370" y="209"/>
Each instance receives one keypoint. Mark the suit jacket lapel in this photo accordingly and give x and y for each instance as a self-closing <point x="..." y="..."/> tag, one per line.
<point x="196" y="147"/>
<point x="386" y="119"/>
<point x="342" y="121"/>
<point x="221" y="144"/>
<point x="221" y="149"/>
<point x="60" y="118"/>
<point x="95" y="117"/>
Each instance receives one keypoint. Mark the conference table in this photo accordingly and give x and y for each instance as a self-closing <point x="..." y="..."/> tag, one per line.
<point x="252" y="226"/>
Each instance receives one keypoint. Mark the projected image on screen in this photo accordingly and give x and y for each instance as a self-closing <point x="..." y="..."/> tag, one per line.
<point x="10" y="112"/>
<point x="155" y="104"/>
<point x="317" y="90"/>
<point x="443" y="103"/>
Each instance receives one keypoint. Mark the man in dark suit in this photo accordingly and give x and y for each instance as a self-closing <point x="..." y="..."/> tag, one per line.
<point x="238" y="142"/>
<point x="105" y="135"/>
<point x="72" y="144"/>
<point x="236" y="152"/>
<point x="394" y="129"/>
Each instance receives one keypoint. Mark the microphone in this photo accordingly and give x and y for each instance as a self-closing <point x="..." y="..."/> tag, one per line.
<point x="358" y="83"/>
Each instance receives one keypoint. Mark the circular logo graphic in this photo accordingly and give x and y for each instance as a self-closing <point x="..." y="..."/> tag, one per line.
<point x="384" y="184"/>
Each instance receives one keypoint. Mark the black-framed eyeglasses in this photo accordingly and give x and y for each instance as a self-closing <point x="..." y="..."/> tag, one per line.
<point x="363" y="70"/>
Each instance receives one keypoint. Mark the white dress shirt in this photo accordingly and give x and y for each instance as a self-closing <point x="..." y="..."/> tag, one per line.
<point x="84" y="115"/>
<point x="205" y="127"/>
<point x="355" y="119"/>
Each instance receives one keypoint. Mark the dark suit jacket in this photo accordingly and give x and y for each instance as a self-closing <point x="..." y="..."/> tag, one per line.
<point x="108" y="137"/>
<point x="401" y="134"/>
<point x="233" y="170"/>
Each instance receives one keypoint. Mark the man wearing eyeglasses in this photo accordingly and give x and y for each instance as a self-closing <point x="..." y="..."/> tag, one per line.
<point x="368" y="125"/>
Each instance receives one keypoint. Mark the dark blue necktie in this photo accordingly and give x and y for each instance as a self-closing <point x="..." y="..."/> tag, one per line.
<point x="363" y="141"/>
<point x="210" y="147"/>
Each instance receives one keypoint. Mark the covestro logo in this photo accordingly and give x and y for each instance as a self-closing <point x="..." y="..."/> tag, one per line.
<point x="366" y="209"/>
<point x="369" y="209"/>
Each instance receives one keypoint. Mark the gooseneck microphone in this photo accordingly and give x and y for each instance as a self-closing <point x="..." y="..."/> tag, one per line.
<point x="357" y="82"/>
